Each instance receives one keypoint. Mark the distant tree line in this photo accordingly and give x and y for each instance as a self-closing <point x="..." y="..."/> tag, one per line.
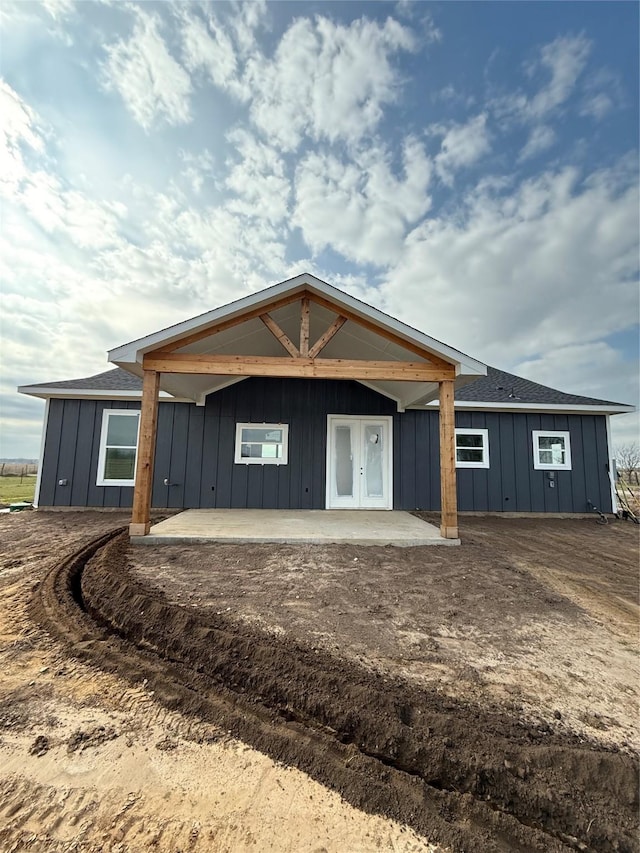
<point x="628" y="461"/>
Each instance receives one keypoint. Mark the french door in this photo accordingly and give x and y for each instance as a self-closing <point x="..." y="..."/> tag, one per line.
<point x="359" y="462"/>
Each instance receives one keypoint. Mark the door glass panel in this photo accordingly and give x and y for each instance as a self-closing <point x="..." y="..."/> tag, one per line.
<point x="343" y="462"/>
<point x="373" y="449"/>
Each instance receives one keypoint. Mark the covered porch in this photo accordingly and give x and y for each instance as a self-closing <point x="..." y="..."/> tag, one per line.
<point x="302" y="329"/>
<point x="291" y="527"/>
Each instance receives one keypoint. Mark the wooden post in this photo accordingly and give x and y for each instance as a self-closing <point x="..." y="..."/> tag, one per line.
<point x="304" y="327"/>
<point x="140" y="517"/>
<point x="449" y="503"/>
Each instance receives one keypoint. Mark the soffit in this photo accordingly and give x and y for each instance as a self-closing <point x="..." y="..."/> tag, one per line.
<point x="251" y="337"/>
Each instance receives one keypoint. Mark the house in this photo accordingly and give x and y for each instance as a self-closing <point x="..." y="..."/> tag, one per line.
<point x="301" y="396"/>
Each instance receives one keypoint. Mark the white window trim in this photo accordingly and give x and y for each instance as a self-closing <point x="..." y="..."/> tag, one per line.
<point x="102" y="455"/>
<point x="485" y="447"/>
<point x="251" y="460"/>
<point x="551" y="466"/>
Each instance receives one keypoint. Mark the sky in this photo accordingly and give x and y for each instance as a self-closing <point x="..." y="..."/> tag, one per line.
<point x="469" y="168"/>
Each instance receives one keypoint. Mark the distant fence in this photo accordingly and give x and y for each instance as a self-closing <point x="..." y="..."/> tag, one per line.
<point x="18" y="469"/>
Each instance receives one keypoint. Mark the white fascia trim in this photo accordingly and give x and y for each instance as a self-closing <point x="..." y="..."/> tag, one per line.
<point x="132" y="352"/>
<point x="43" y="439"/>
<point x="569" y="408"/>
<point x="88" y="394"/>
<point x="368" y="312"/>
<point x="612" y="468"/>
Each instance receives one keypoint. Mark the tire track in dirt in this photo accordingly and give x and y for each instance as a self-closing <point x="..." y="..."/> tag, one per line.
<point x="88" y="822"/>
<point x="365" y="738"/>
<point x="195" y="787"/>
<point x="581" y="585"/>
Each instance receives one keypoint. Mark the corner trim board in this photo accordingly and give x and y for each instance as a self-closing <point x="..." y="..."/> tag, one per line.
<point x="43" y="441"/>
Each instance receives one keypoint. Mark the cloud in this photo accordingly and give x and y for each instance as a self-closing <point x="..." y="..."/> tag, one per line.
<point x="413" y="11"/>
<point x="603" y="92"/>
<point x="247" y="18"/>
<point x="359" y="207"/>
<point x="54" y="207"/>
<point x="20" y="436"/>
<point x="85" y="223"/>
<point x="452" y="96"/>
<point x="197" y="168"/>
<point x="540" y="139"/>
<point x="593" y="369"/>
<point x="74" y="284"/>
<point x="20" y="129"/>
<point x="303" y="170"/>
<point x="207" y="47"/>
<point x="153" y="85"/>
<point x="326" y="81"/>
<point x="524" y="268"/>
<point x="58" y="9"/>
<point x="585" y="368"/>
<point x="562" y="61"/>
<point x="462" y="145"/>
<point x="597" y="106"/>
<point x="258" y="179"/>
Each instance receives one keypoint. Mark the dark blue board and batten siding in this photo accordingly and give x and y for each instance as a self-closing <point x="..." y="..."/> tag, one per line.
<point x="195" y="453"/>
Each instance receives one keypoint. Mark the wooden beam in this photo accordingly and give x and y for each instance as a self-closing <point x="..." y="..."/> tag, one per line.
<point x="222" y="326"/>
<point x="449" y="503"/>
<point x="141" y="514"/>
<point x="322" y="341"/>
<point x="277" y="332"/>
<point x="321" y="368"/>
<point x="304" y="327"/>
<point x="416" y="349"/>
<point x="214" y="328"/>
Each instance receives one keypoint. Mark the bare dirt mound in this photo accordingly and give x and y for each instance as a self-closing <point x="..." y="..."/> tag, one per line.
<point x="468" y="777"/>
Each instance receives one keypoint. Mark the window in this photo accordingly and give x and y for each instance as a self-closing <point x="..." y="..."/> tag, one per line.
<point x="472" y="448"/>
<point x="551" y="450"/>
<point x="262" y="444"/>
<point x="118" y="447"/>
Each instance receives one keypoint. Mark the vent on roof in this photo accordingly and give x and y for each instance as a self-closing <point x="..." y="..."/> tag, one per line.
<point x="512" y="393"/>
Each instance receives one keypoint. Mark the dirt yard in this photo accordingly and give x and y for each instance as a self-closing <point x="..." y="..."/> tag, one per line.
<point x="476" y="698"/>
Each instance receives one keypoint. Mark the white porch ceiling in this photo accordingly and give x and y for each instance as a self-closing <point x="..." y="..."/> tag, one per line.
<point x="252" y="338"/>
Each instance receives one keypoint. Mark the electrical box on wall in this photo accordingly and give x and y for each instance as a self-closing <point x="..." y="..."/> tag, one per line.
<point x="551" y="478"/>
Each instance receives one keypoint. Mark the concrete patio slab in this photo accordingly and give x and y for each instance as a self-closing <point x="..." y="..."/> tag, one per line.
<point x="316" y="527"/>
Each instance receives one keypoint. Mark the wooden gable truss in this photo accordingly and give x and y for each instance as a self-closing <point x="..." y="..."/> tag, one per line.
<point x="297" y="361"/>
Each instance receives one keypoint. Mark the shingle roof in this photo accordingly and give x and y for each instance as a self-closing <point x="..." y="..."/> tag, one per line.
<point x="497" y="386"/>
<point x="110" y="380"/>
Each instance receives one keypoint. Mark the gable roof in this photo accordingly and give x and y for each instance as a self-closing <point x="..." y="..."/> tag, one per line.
<point x="498" y="389"/>
<point x="292" y="286"/>
<point x="476" y="385"/>
<point x="369" y="334"/>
